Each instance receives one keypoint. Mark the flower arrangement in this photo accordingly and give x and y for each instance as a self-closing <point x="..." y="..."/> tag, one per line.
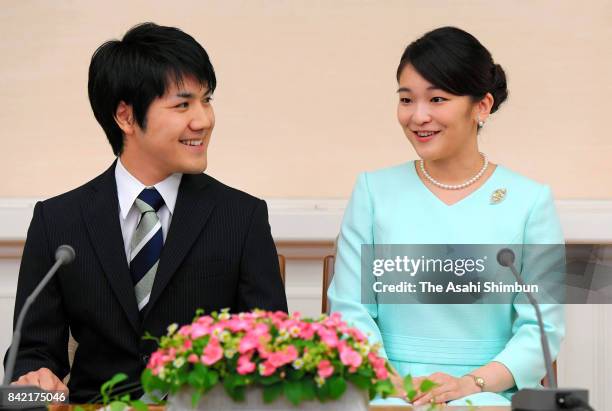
<point x="302" y="359"/>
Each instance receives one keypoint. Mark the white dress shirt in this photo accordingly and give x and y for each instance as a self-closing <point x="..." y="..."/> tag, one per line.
<point x="128" y="189"/>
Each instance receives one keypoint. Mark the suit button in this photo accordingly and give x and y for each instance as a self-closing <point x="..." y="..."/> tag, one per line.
<point x="145" y="359"/>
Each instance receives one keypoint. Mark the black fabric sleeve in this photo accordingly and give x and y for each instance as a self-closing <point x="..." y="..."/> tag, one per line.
<point x="260" y="283"/>
<point x="44" y="336"/>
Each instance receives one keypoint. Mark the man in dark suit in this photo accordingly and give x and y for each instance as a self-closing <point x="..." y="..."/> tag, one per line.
<point x="155" y="238"/>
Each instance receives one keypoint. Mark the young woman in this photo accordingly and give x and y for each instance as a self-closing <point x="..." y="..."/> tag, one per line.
<point x="448" y="88"/>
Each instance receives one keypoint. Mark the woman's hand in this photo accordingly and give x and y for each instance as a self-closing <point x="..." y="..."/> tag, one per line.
<point x="447" y="388"/>
<point x="398" y="383"/>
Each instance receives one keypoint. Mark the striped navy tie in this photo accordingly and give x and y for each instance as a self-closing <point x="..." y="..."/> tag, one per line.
<point x="146" y="245"/>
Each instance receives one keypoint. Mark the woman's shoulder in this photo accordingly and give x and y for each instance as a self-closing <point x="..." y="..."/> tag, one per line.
<point x="386" y="181"/>
<point x="389" y="174"/>
<point x="518" y="183"/>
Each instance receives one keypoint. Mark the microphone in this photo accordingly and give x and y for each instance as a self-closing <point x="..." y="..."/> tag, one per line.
<point x="63" y="255"/>
<point x="505" y="258"/>
<point x="529" y="399"/>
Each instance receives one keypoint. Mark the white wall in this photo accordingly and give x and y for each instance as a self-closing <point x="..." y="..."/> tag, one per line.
<point x="308" y="87"/>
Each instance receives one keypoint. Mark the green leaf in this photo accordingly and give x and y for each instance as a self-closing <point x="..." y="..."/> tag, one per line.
<point x="272" y="392"/>
<point x="117" y="378"/>
<point x="182" y="376"/>
<point x="212" y="378"/>
<point x="295" y="375"/>
<point x="145" y="379"/>
<point x="79" y="408"/>
<point x="118" y="406"/>
<point x="234" y="387"/>
<point x="366" y="372"/>
<point x="408" y="384"/>
<point x="195" y="398"/>
<point x="427" y="385"/>
<point x="293" y="391"/>
<point x="361" y="382"/>
<point x="411" y="394"/>
<point x="323" y="392"/>
<point x="239" y="393"/>
<point x="139" y="405"/>
<point x="152" y="383"/>
<point x="308" y="389"/>
<point x="148" y="336"/>
<point x="337" y="386"/>
<point x="195" y="380"/>
<point x="228" y="387"/>
<point x="384" y="388"/>
<point x="272" y="379"/>
<point x="107" y="387"/>
<point x="200" y="368"/>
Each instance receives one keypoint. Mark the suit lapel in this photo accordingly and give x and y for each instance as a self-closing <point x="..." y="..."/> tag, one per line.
<point x="101" y="215"/>
<point x="191" y="212"/>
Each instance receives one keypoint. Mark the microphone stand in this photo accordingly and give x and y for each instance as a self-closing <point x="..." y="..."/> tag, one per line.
<point x="549" y="398"/>
<point x="63" y="255"/>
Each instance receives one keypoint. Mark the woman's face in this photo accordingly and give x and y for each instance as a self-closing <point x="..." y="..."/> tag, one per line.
<point x="438" y="124"/>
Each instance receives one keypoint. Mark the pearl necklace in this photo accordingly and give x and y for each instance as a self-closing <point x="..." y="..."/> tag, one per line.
<point x="455" y="186"/>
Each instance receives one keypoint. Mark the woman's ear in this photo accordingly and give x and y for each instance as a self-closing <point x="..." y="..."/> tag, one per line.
<point x="483" y="108"/>
<point x="124" y="116"/>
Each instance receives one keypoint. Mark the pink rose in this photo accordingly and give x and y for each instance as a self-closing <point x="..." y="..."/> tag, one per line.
<point x="375" y="360"/>
<point x="379" y="365"/>
<point x="193" y="358"/>
<point x="238" y="324"/>
<point x="280" y="358"/>
<point x="329" y="337"/>
<point x="205" y="320"/>
<point x="247" y="343"/>
<point x="199" y="330"/>
<point x="185" y="330"/>
<point x="306" y="331"/>
<point x="245" y="365"/>
<point x="263" y="352"/>
<point x="260" y="330"/>
<point x="357" y="335"/>
<point x="291" y="353"/>
<point x="266" y="368"/>
<point x="156" y="360"/>
<point x="325" y="369"/>
<point x="212" y="353"/>
<point x="278" y="315"/>
<point x="381" y="373"/>
<point x="350" y="357"/>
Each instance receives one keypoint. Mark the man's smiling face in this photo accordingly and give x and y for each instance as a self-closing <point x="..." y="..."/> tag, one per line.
<point x="176" y="134"/>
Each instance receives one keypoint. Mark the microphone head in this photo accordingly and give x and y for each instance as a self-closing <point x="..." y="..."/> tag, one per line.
<point x="505" y="257"/>
<point x="65" y="253"/>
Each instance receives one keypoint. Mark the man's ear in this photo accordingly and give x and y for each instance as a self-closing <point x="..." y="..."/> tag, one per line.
<point x="124" y="116"/>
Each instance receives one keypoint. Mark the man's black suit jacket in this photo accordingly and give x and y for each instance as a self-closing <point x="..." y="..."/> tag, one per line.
<point x="218" y="253"/>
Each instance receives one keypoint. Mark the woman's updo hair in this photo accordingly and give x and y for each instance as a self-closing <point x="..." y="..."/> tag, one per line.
<point x="456" y="62"/>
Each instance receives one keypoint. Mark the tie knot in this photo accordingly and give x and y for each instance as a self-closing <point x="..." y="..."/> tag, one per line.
<point x="151" y="199"/>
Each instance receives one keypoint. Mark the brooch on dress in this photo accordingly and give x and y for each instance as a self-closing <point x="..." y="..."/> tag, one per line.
<point x="498" y="196"/>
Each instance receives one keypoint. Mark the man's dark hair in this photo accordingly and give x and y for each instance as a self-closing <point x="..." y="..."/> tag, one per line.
<point x="456" y="62"/>
<point x="138" y="69"/>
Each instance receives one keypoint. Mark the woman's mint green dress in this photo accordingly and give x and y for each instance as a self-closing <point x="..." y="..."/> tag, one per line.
<point x="393" y="206"/>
